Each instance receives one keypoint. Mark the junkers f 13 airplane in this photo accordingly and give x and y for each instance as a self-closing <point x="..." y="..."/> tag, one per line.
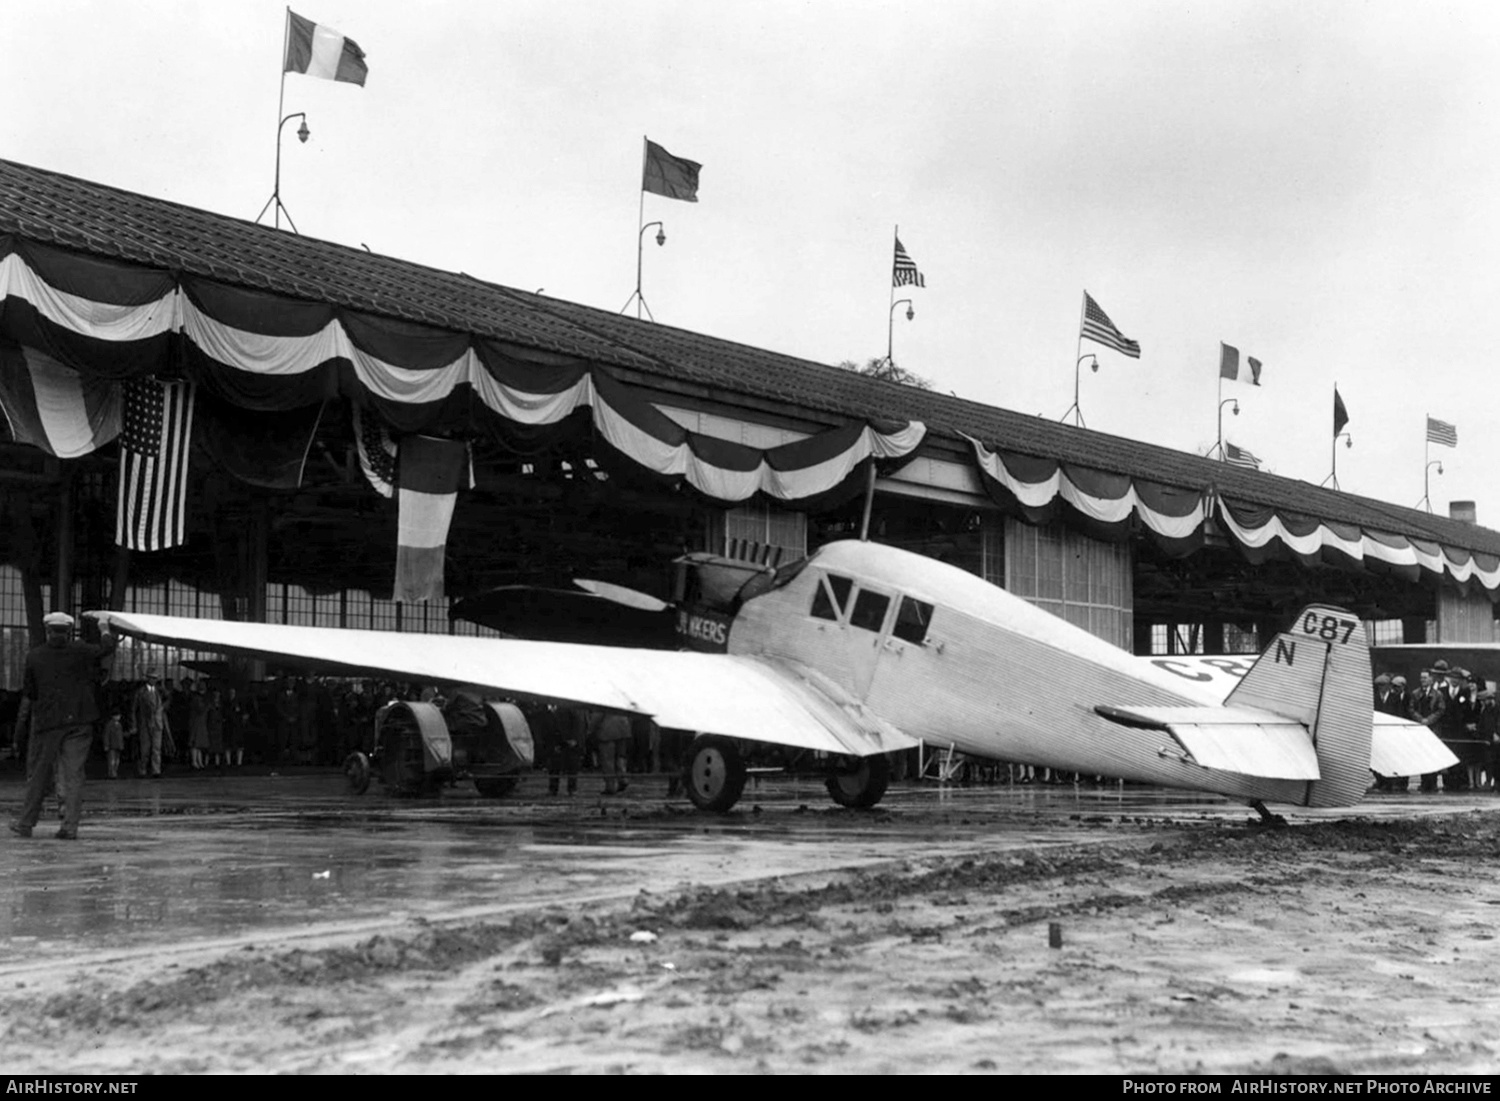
<point x="861" y="649"/>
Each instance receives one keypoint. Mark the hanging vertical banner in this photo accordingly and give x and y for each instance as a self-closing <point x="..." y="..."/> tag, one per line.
<point x="429" y="474"/>
<point x="151" y="512"/>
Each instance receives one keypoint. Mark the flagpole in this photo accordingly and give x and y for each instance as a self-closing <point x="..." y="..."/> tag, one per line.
<point x="640" y="238"/>
<point x="274" y="203"/>
<point x="640" y="222"/>
<point x="286" y="38"/>
<point x="891" y="306"/>
<point x="1078" y="358"/>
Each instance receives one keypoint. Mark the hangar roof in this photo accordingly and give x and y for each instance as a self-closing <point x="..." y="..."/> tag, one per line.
<point x="101" y="221"/>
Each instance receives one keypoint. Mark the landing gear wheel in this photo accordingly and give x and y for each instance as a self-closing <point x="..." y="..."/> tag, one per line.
<point x="715" y="774"/>
<point x="861" y="783"/>
<point x="357" y="772"/>
<point x="498" y="787"/>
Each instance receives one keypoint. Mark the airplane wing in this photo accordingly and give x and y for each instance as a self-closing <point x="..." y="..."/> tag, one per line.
<point x="737" y="696"/>
<point x="1398" y="747"/>
<point x="1233" y="739"/>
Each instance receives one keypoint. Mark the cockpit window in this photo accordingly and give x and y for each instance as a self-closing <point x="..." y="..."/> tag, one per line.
<point x="912" y="620"/>
<point x="869" y="610"/>
<point x="831" y="596"/>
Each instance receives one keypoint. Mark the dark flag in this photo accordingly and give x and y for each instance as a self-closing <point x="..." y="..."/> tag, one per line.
<point x="1441" y="432"/>
<point x="674" y="177"/>
<point x="1229" y="361"/>
<point x="904" y="270"/>
<point x="1340" y="414"/>
<point x="154" y="439"/>
<point x="1099" y="328"/>
<point x="1254" y="370"/>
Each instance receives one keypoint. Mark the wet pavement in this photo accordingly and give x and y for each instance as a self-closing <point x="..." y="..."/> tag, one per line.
<point x="208" y="861"/>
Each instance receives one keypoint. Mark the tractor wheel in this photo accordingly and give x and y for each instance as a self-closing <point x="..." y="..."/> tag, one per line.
<point x="357" y="772"/>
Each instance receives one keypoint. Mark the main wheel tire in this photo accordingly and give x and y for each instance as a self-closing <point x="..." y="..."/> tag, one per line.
<point x="715" y="774"/>
<point x="357" y="772"/>
<point x="497" y="787"/>
<point x="862" y="784"/>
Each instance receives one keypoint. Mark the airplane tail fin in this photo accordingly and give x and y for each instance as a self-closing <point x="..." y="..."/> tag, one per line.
<point x="1317" y="671"/>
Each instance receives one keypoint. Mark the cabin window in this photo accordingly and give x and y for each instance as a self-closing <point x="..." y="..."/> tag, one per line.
<point x="831" y="597"/>
<point x="912" y="620"/>
<point x="869" y="610"/>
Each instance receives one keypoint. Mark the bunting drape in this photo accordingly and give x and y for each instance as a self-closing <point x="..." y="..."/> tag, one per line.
<point x="260" y="352"/>
<point x="1107" y="505"/>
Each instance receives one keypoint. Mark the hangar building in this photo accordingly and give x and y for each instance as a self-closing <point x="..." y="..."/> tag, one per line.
<point x="601" y="446"/>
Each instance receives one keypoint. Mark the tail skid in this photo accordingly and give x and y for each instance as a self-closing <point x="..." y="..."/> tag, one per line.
<point x="1318" y="673"/>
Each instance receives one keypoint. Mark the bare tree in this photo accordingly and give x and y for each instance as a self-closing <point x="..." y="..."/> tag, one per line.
<point x="888" y="370"/>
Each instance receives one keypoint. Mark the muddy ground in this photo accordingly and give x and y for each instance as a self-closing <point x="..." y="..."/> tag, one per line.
<point x="1353" y="946"/>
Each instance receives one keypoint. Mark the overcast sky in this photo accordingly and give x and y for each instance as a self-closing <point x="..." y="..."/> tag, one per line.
<point x="1314" y="183"/>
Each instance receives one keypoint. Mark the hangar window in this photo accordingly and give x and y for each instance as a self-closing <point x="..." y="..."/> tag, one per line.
<point x="869" y="610"/>
<point x="831" y="596"/>
<point x="912" y="620"/>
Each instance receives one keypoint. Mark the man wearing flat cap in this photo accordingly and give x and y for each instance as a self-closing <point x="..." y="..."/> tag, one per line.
<point x="60" y="683"/>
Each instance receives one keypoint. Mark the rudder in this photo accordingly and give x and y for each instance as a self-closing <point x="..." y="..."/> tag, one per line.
<point x="1318" y="672"/>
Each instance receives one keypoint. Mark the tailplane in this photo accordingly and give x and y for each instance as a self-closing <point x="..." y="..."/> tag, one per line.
<point x="1317" y="672"/>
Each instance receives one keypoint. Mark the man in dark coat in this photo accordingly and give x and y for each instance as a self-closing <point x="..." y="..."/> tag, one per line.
<point x="61" y="682"/>
<point x="1428" y="706"/>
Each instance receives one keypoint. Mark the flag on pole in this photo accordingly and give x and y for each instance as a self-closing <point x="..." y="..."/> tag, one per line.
<point x="904" y="270"/>
<point x="1229" y="361"/>
<point x="151" y="513"/>
<point x="1239" y="456"/>
<point x="321" y="51"/>
<point x="674" y="177"/>
<point x="429" y="474"/>
<point x="1340" y="414"/>
<point x="1229" y="364"/>
<point x="1099" y="328"/>
<point x="1441" y="432"/>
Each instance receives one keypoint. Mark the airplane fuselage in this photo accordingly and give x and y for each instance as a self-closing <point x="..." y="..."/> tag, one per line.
<point x="955" y="661"/>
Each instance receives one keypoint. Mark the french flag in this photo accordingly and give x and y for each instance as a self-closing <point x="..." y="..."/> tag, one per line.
<point x="322" y="52"/>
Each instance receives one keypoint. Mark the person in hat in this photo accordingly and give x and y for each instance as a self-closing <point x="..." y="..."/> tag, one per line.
<point x="1428" y="705"/>
<point x="61" y="681"/>
<point x="1385" y="694"/>
<point x="149" y="711"/>
<point x="1400" y="704"/>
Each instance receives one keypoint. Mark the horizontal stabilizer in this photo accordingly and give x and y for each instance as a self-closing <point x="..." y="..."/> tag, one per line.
<point x="1244" y="740"/>
<point x="1402" y="748"/>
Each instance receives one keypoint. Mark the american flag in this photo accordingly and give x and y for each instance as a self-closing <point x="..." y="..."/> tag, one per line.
<point x="904" y="272"/>
<point x="1239" y="456"/>
<point x="1441" y="432"/>
<point x="1098" y="327"/>
<point x="154" y="440"/>
<point x="377" y="451"/>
